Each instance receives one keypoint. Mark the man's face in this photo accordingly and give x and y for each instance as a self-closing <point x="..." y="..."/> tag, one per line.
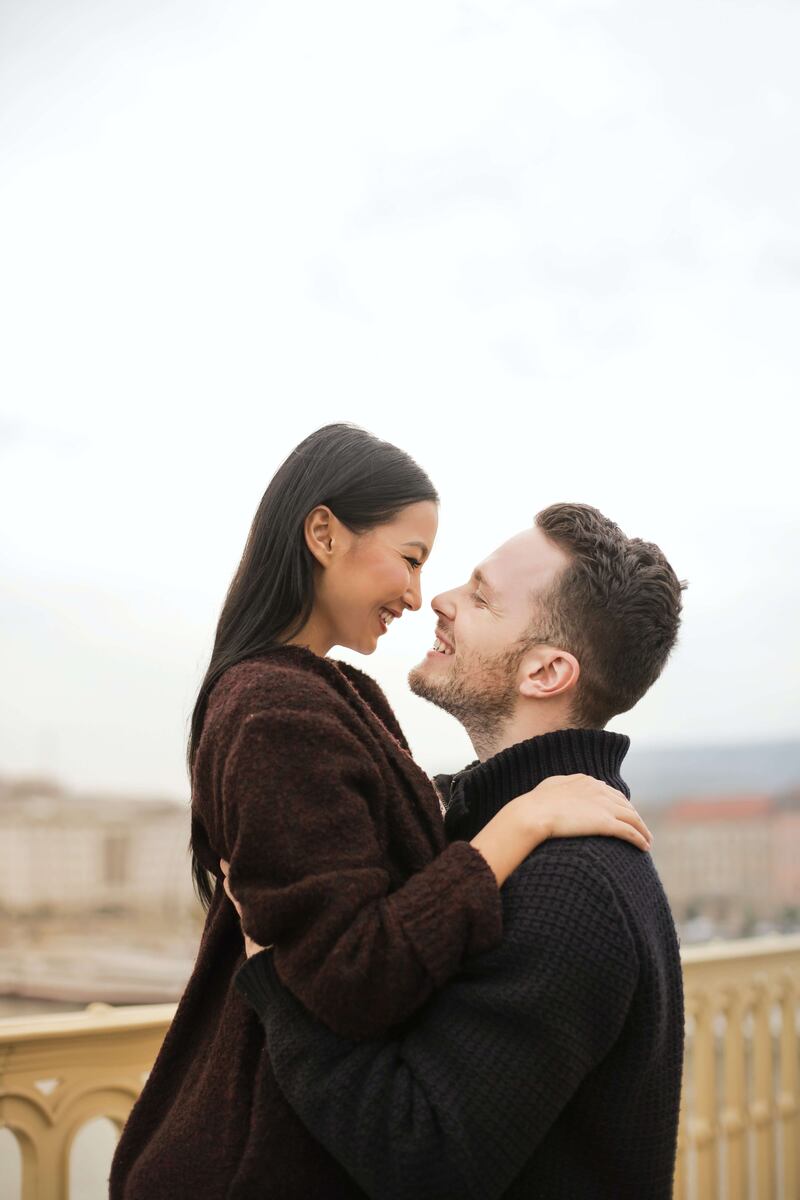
<point x="475" y="671"/>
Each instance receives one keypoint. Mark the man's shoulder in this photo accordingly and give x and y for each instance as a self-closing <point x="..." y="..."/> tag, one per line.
<point x="592" y="861"/>
<point x="600" y="881"/>
<point x="567" y="879"/>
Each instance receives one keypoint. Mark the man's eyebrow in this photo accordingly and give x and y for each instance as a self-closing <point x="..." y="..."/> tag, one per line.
<point x="483" y="582"/>
<point x="420" y="546"/>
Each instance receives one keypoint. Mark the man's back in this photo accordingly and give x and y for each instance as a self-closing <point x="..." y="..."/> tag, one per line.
<point x="614" y="1134"/>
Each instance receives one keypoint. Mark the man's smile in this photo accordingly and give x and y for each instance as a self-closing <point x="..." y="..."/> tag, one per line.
<point x="441" y="645"/>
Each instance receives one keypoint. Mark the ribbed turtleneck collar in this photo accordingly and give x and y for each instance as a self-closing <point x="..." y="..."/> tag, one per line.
<point x="474" y="795"/>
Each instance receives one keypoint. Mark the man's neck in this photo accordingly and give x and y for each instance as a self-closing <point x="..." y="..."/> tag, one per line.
<point x="521" y="727"/>
<point x="473" y="796"/>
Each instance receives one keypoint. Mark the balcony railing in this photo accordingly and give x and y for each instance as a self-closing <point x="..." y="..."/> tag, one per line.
<point x="57" y="1073"/>
<point x="739" y="1137"/>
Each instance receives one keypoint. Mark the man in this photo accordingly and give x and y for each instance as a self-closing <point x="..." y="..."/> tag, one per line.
<point x="551" y="1066"/>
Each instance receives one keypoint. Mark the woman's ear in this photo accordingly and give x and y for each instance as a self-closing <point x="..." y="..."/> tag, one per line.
<point x="319" y="533"/>
<point x="548" y="672"/>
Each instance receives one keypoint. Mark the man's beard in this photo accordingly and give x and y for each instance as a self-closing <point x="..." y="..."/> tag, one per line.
<point x="479" y="691"/>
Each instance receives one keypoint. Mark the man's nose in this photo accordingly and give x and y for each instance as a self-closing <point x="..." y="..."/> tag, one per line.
<point x="443" y="605"/>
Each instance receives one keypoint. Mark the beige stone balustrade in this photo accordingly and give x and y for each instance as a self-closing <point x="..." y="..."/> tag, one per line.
<point x="59" y="1072"/>
<point x="740" y="1123"/>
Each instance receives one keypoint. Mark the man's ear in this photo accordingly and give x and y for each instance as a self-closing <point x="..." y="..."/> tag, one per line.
<point x="547" y="671"/>
<point x="319" y="530"/>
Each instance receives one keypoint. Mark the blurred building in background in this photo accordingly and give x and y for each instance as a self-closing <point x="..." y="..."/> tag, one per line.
<point x="96" y="899"/>
<point x="62" y="852"/>
<point x="730" y="864"/>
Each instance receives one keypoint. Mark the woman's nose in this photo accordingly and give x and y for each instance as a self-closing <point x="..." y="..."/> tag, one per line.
<point x="413" y="594"/>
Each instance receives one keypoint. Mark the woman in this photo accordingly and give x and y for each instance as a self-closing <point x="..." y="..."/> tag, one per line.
<point x="302" y="780"/>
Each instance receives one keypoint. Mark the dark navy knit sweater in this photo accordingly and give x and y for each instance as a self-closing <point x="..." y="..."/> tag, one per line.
<point x="550" y="1066"/>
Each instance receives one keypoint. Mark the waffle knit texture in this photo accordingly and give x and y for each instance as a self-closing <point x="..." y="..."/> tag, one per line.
<point x="304" y="782"/>
<point x="550" y="1067"/>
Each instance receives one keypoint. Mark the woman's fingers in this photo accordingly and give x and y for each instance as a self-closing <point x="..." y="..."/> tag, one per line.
<point x="625" y="811"/>
<point x="250" y="946"/>
<point x="227" y="887"/>
<point x="631" y="820"/>
<point x="632" y="834"/>
<point x="629" y="814"/>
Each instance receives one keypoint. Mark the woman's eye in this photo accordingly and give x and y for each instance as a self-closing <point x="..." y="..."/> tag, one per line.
<point x="478" y="599"/>
<point x="414" y="562"/>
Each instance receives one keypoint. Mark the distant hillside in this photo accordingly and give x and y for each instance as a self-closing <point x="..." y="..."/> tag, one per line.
<point x="658" y="775"/>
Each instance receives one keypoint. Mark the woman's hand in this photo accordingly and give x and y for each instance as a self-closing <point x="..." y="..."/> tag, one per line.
<point x="560" y="806"/>
<point x="581" y="806"/>
<point x="250" y="947"/>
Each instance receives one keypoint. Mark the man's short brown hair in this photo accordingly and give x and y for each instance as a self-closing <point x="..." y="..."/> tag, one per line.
<point x="616" y="606"/>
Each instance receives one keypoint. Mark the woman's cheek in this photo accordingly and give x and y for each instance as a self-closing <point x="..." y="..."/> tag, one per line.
<point x="393" y="585"/>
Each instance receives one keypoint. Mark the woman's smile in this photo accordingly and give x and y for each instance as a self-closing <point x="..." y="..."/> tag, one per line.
<point x="386" y="616"/>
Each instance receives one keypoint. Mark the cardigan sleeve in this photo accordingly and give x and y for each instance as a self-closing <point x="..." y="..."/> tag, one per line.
<point x="454" y="1107"/>
<point x="311" y="878"/>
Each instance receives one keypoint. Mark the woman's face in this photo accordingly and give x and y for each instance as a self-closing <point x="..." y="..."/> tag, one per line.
<point x="373" y="577"/>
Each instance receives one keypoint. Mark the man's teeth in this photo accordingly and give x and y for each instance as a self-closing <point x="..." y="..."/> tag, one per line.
<point x="440" y="647"/>
<point x="388" y="617"/>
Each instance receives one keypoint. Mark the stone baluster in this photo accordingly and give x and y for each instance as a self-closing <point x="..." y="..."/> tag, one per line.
<point x="733" y="1118"/>
<point x="762" y="1106"/>
<point x="702" y="1125"/>
<point x="789" y="1095"/>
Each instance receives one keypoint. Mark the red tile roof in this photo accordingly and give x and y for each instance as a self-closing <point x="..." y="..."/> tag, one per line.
<point x="695" y="811"/>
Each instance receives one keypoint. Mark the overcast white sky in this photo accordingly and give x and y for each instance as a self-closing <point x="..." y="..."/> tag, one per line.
<point x="552" y="249"/>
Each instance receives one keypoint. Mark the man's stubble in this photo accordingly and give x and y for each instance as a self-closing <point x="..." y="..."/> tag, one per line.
<point x="479" y="691"/>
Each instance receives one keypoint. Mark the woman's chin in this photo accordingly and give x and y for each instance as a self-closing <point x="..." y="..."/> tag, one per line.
<point x="362" y="646"/>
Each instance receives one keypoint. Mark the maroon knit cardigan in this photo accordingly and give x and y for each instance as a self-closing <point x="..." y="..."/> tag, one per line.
<point x="303" y="780"/>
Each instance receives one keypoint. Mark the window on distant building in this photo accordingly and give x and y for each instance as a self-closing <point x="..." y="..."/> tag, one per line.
<point x="116" y="852"/>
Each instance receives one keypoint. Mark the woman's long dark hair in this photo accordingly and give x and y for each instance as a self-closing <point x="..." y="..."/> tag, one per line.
<point x="365" y="482"/>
